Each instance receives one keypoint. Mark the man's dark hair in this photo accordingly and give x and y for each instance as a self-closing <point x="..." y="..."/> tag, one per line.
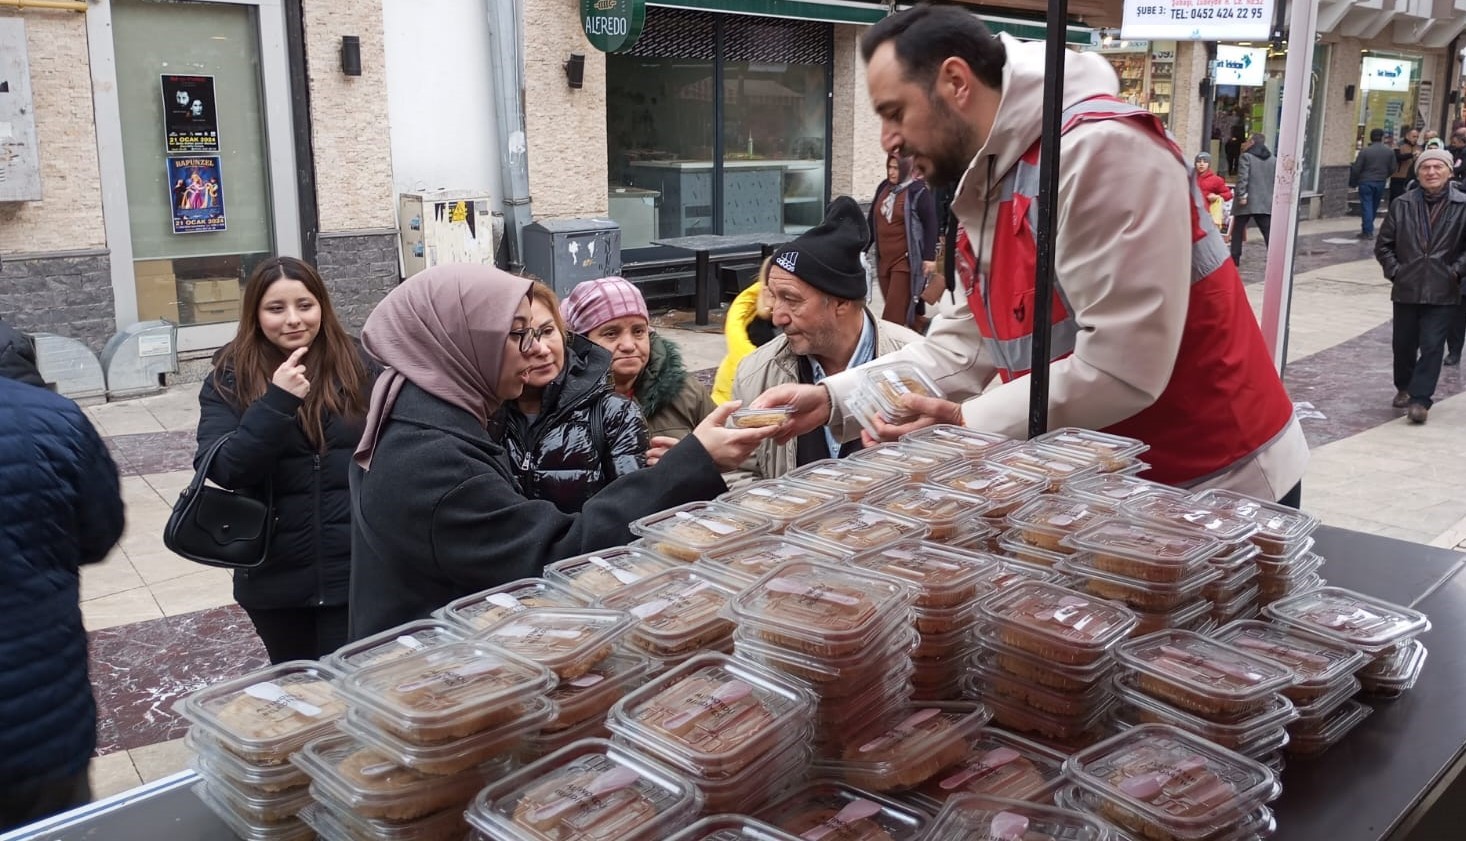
<point x="925" y="36"/>
<point x="1258" y="137"/>
<point x="1376" y="135"/>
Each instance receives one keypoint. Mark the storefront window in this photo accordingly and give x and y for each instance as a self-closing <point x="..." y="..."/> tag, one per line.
<point x="1146" y="70"/>
<point x="1313" y="134"/>
<point x="1390" y="87"/>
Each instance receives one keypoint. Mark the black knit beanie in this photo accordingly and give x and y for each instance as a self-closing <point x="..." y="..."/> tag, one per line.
<point x="827" y="256"/>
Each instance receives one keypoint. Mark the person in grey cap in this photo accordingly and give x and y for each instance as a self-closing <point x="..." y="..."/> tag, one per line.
<point x="819" y="288"/>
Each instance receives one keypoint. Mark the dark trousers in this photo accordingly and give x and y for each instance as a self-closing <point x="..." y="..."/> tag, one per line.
<point x="1457" y="335"/>
<point x="1370" y="193"/>
<point x="1397" y="188"/>
<point x="30" y="801"/>
<point x="300" y="633"/>
<point x="1419" y="339"/>
<point x="1239" y="232"/>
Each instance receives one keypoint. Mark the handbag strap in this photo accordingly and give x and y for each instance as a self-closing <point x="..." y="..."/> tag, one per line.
<point x="203" y="470"/>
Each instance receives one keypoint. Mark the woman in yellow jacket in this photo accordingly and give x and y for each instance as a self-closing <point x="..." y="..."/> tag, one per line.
<point x="748" y="325"/>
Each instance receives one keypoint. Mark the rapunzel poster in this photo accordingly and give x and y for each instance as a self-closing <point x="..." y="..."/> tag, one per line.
<point x="197" y="194"/>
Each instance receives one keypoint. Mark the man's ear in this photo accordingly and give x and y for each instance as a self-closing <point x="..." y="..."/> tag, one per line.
<point x="954" y="82"/>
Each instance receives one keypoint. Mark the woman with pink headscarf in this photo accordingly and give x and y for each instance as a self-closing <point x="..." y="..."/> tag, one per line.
<point x="437" y="513"/>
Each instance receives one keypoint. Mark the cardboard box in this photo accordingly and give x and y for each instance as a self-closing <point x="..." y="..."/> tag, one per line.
<point x="209" y="312"/>
<point x="209" y="290"/>
<point x="157" y="290"/>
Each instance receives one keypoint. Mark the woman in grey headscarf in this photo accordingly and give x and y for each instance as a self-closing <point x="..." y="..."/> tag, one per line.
<point x="437" y="511"/>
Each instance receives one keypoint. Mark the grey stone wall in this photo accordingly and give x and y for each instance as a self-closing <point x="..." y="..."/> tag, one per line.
<point x="1333" y="183"/>
<point x="67" y="293"/>
<point x="359" y="268"/>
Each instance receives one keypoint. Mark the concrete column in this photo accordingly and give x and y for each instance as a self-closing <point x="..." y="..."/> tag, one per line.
<point x="857" y="162"/>
<point x="565" y="129"/>
<point x="1187" y="106"/>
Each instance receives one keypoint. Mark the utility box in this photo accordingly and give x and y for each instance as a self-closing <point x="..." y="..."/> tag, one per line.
<point x="564" y="252"/>
<point x="136" y="359"/>
<point x="71" y="367"/>
<point x="444" y="226"/>
<point x="20" y="161"/>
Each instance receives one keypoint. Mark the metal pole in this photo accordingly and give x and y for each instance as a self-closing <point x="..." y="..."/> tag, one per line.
<point x="505" y="53"/>
<point x="1278" y="281"/>
<point x="1208" y="100"/>
<point x="1048" y="194"/>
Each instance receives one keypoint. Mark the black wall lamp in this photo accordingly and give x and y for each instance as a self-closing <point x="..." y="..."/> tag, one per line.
<point x="575" y="70"/>
<point x="1348" y="93"/>
<point x="351" y="55"/>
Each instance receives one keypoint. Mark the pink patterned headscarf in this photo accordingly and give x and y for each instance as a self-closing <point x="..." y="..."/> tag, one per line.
<point x="594" y="302"/>
<point x="445" y="331"/>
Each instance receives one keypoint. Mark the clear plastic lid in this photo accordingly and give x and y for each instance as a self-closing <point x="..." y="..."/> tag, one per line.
<point x="687" y="531"/>
<point x="1005" y="488"/>
<point x="732" y="828"/>
<point x="842" y="476"/>
<point x="997" y="654"/>
<point x="1054" y="465"/>
<point x="943" y="577"/>
<point x="567" y="640"/>
<point x="1405" y="670"/>
<point x="1064" y="704"/>
<point x="1055" y="517"/>
<point x="1179" y="512"/>
<point x="1200" y="674"/>
<point x="395" y="643"/>
<point x="677" y="611"/>
<point x="1298" y="555"/>
<point x="1231" y="583"/>
<point x="1331" y="730"/>
<point x="447" y="692"/>
<point x="255" y="807"/>
<point x="1300" y="568"/>
<point x="1000" y="819"/>
<point x="287" y="828"/>
<point x="371" y="784"/>
<point x="480" y="610"/>
<point x="1136" y="592"/>
<point x="1142" y="551"/>
<point x="831" y="676"/>
<point x="1017" y="544"/>
<point x="1395" y="664"/>
<point x="1057" y="623"/>
<point x="857" y="528"/>
<point x="547" y="742"/>
<point x="1011" y="571"/>
<point x="943" y="509"/>
<point x="1258" y="825"/>
<point x="887" y="383"/>
<point x="1355" y="619"/>
<point x="913" y="460"/>
<point x="748" y="561"/>
<point x="1235" y="556"/>
<point x="714" y="714"/>
<point x="903" y="749"/>
<point x="820" y="608"/>
<point x="592" y="789"/>
<point x="333" y="822"/>
<point x="1110" y="490"/>
<point x="455" y="755"/>
<point x="1192" y="616"/>
<point x="780" y="500"/>
<point x="759" y="418"/>
<point x="1016" y="715"/>
<point x="824" y="810"/>
<point x="968" y="443"/>
<point x="1234" y="732"/>
<point x="1279" y="526"/>
<point x="1173" y="781"/>
<point x="265" y="778"/>
<point x="600" y="573"/>
<point x="997" y="764"/>
<point x="1324" y="703"/>
<point x="1111" y="452"/>
<point x="268" y="714"/>
<point x="1314" y="662"/>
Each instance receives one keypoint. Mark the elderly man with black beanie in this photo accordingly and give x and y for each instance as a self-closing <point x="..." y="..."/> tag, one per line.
<point x="819" y="288"/>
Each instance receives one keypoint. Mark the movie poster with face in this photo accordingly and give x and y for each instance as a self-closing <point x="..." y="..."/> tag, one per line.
<point x="190" y="121"/>
<point x="197" y="194"/>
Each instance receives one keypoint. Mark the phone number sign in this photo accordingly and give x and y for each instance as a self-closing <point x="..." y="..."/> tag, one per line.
<point x="1197" y="20"/>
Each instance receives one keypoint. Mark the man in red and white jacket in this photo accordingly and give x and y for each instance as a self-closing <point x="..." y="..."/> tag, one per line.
<point x="1153" y="336"/>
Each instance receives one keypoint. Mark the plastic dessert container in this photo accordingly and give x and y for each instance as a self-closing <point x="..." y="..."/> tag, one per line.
<point x="1016" y="544"/>
<point x="967" y="443"/>
<point x="1331" y="731"/>
<point x="1005" y="488"/>
<point x="457" y="755"/>
<point x="265" y="780"/>
<point x="1151" y="596"/>
<point x="758" y="418"/>
<point x="886" y="383"/>
<point x="1173" y="512"/>
<point x="1057" y="623"/>
<point x="480" y="610"/>
<point x="1282" y="565"/>
<point x="1002" y="819"/>
<point x="333" y="822"/>
<point x="831" y="677"/>
<point x="248" y="803"/>
<point x="267" y="715"/>
<point x="591" y="789"/>
<point x="856" y="528"/>
<point x="569" y="641"/>
<point x="946" y="512"/>
<point x="1280" y="529"/>
<point x="677" y="611"/>
<point x="1192" y="616"/>
<point x="547" y="742"/>
<point x="1109" y="452"/>
<point x="824" y="810"/>
<point x="1258" y="825"/>
<point x="997" y="655"/>
<point x="1047" y="520"/>
<point x="1137" y="550"/>
<point x="446" y="693"/>
<point x="1055" y="702"/>
<point x="732" y="828"/>
<point x="997" y="764"/>
<point x="370" y="784"/>
<point x="287" y="829"/>
<point x="822" y="610"/>
<point x="594" y="693"/>
<point x="781" y="501"/>
<point x="600" y="573"/>
<point x="1241" y="733"/>
<point x="1110" y="490"/>
<point x="1231" y="584"/>
<point x="1339" y="615"/>
<point x="942" y="577"/>
<point x="1391" y="675"/>
<point x="903" y="749"/>
<point x="746" y="562"/>
<point x="758" y="783"/>
<point x="914" y="461"/>
<point x="1202" y="675"/>
<point x="1318" y="665"/>
<point x="687" y="531"/>
<point x="713" y="715"/>
<point x="1015" y="715"/>
<point x="1054" y="465"/>
<point x="852" y="480"/>
<point x="1311" y="713"/>
<point x="394" y="643"/>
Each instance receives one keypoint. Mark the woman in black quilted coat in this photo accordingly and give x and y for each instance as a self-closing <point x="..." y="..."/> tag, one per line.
<point x="569" y="434"/>
<point x="291" y="391"/>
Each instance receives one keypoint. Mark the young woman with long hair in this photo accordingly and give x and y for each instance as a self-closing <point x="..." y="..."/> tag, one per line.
<point x="290" y="390"/>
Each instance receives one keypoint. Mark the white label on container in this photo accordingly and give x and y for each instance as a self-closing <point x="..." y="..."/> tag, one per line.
<point x="272" y="693"/>
<point x="765" y="492"/>
<point x="827" y="471"/>
<point x="820" y="592"/>
<point x="657" y="606"/>
<point x="586" y="680"/>
<point x="410" y="642"/>
<point x="522" y="631"/>
<point x="505" y="601"/>
<point x="625" y="576"/>
<point x="708" y="523"/>
<point x="473" y="668"/>
<point x="895" y="381"/>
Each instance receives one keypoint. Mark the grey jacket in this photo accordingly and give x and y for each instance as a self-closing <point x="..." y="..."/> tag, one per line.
<point x="1374" y="163"/>
<point x="1257" y="167"/>
<point x="1424" y="270"/>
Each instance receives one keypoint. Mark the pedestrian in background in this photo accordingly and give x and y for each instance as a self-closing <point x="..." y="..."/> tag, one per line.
<point x="1422" y="249"/>
<point x="748" y="325"/>
<point x="1213" y="188"/>
<point x="1254" y="193"/>
<point x="1404" y="164"/>
<point x="290" y="390"/>
<point x="903" y="237"/>
<point x="1370" y="172"/>
<point x="60" y="509"/>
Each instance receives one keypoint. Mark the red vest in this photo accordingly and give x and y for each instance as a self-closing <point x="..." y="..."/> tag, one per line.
<point x="1224" y="401"/>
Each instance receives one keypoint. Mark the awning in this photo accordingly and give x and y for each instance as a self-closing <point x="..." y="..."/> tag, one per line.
<point x="863" y="12"/>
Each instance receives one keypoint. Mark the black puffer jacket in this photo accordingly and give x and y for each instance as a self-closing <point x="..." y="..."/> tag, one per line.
<point x="310" y="554"/>
<point x="558" y="456"/>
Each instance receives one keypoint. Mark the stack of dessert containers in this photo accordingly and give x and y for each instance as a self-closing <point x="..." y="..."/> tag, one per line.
<point x="569" y="641"/>
<point x="1004" y="488"/>
<point x="995" y="763"/>
<point x="950" y="516"/>
<point x="1285" y="561"/>
<point x="845" y="632"/>
<point x="1324" y="671"/>
<point x="1111" y="490"/>
<point x="1004" y="819"/>
<point x="1057" y="466"/>
<point x="1216" y="691"/>
<point x="732" y="828"/>
<point x="855" y="528"/>
<point x="581" y="703"/>
<point x="780" y="500"/>
<point x="948" y="584"/>
<point x="1160" y="573"/>
<point x="906" y="747"/>
<point x="1036" y="531"/>
<point x="679" y="612"/>
<point x="738" y="731"/>
<point x="588" y="789"/>
<point x="685" y="532"/>
<point x="1113" y="454"/>
<point x="1160" y="782"/>
<point x="745" y="562"/>
<point x="963" y="442"/>
<point x="1259" y="825"/>
<point x="851" y="480"/>
<point x="394" y="643"/>
<point x="910" y="459"/>
<point x="1046" y="660"/>
<point x="827" y="809"/>
<point x="599" y="573"/>
<point x="478" y="611"/>
<point x="243" y="733"/>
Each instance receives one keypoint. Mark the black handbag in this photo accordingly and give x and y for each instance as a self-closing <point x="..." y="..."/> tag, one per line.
<point x="218" y="527"/>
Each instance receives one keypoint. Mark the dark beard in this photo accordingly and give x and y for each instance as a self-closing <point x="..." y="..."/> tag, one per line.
<point x="955" y="145"/>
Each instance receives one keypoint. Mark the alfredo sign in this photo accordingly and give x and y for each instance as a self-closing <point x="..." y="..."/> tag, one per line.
<point x="612" y="25"/>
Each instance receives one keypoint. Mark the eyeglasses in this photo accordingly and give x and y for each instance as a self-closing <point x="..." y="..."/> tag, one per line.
<point x="529" y="335"/>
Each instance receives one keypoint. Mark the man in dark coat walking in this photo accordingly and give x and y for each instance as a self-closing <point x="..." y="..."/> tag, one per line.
<point x="1422" y="249"/>
<point x="1254" y="193"/>
<point x="60" y="508"/>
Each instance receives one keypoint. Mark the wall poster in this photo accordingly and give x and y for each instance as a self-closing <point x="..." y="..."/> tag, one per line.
<point x="190" y="120"/>
<point x="197" y="194"/>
